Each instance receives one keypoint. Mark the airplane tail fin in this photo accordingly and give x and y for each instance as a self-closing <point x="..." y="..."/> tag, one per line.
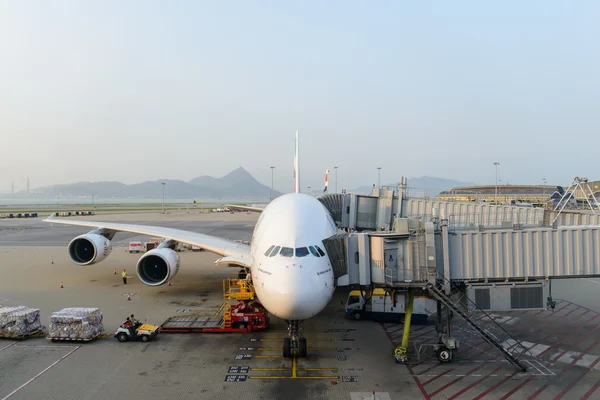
<point x="296" y="169"/>
<point x="326" y="180"/>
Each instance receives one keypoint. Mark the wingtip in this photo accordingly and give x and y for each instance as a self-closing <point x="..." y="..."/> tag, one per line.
<point x="49" y="218"/>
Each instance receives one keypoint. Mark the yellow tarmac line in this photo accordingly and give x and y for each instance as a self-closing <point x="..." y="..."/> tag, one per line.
<point x="297" y="377"/>
<point x="297" y="369"/>
<point x="317" y="369"/>
<point x="294" y="365"/>
<point x="279" y="348"/>
<point x="308" y="358"/>
<point x="271" y="369"/>
<point x="308" y="339"/>
<point x="268" y="356"/>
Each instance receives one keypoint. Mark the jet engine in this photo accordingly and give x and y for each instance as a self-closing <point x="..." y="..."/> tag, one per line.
<point x="158" y="266"/>
<point x="89" y="249"/>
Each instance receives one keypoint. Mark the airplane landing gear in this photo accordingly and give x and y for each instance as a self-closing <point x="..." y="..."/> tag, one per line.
<point x="294" y="346"/>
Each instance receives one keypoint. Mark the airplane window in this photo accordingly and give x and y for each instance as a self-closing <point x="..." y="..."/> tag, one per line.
<point x="287" y="251"/>
<point x="275" y="251"/>
<point x="313" y="251"/>
<point x="321" y="252"/>
<point x="269" y="250"/>
<point x="301" y="252"/>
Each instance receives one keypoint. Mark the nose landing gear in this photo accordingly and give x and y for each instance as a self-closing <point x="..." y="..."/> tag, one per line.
<point x="294" y="346"/>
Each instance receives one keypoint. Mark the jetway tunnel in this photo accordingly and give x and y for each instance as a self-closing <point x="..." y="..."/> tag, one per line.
<point x="471" y="258"/>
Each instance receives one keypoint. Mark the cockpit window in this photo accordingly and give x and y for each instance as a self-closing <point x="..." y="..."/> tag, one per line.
<point x="275" y="251"/>
<point x="287" y="252"/>
<point x="321" y="252"/>
<point x="269" y="250"/>
<point x="313" y="251"/>
<point x="301" y="252"/>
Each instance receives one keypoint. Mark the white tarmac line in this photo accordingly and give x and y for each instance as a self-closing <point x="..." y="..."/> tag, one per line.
<point x="40" y="374"/>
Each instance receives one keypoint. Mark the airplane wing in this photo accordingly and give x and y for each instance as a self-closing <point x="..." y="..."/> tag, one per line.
<point x="224" y="247"/>
<point x="244" y="208"/>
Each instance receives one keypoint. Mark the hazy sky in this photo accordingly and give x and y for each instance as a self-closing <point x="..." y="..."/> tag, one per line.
<point x="142" y="90"/>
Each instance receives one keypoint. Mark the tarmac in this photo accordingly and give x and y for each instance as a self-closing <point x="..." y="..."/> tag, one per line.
<point x="347" y="359"/>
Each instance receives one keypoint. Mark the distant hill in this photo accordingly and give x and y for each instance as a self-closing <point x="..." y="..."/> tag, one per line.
<point x="433" y="185"/>
<point x="237" y="183"/>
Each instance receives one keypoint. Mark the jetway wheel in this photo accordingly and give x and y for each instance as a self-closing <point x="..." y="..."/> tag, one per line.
<point x="444" y="355"/>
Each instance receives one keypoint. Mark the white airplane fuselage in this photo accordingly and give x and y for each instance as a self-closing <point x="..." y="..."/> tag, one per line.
<point x="290" y="283"/>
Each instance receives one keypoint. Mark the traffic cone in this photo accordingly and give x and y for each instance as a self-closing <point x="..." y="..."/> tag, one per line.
<point x="61" y="285"/>
<point x="169" y="284"/>
<point x="115" y="272"/>
<point x="128" y="297"/>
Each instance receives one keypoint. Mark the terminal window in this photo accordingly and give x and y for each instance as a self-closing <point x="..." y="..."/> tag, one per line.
<point x="529" y="297"/>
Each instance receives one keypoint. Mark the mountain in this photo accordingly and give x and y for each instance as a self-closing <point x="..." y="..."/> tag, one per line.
<point x="433" y="185"/>
<point x="237" y="183"/>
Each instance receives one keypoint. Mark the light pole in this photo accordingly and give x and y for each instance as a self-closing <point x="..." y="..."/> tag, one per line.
<point x="310" y="194"/>
<point x="335" y="168"/>
<point x="544" y="179"/>
<point x="163" y="196"/>
<point x="379" y="178"/>
<point x="271" y="194"/>
<point x="496" y="195"/>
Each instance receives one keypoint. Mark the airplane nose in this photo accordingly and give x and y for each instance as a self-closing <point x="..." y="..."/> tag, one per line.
<point x="298" y="294"/>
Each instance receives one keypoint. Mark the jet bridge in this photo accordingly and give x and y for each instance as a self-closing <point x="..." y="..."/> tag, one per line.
<point x="379" y="211"/>
<point x="467" y="271"/>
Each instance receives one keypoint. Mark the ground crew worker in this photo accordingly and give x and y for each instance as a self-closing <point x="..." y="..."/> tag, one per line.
<point x="124" y="276"/>
<point x="130" y="327"/>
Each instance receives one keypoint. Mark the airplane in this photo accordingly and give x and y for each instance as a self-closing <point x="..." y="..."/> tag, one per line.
<point x="288" y="263"/>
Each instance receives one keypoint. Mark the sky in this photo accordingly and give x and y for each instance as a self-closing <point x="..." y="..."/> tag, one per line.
<point x="144" y="90"/>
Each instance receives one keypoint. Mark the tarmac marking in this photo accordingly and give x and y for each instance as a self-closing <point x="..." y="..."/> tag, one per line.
<point x="40" y="346"/>
<point x="497" y="385"/>
<point x="468" y="387"/>
<point x="40" y="374"/>
<point x="575" y="381"/>
<point x="453" y="382"/>
<point x="573" y="332"/>
<point x="6" y="347"/>
<point x="575" y="309"/>
<point x="418" y="383"/>
<point x="591" y="391"/>
<point x="540" y="390"/>
<point x="557" y="310"/>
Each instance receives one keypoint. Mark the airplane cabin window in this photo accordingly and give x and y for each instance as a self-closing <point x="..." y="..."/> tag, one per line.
<point x="269" y="250"/>
<point x="287" y="251"/>
<point x="301" y="252"/>
<point x="321" y="252"/>
<point x="313" y="251"/>
<point x="275" y="251"/>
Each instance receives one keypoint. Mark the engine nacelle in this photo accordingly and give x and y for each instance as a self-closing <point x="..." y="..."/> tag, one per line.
<point x="89" y="249"/>
<point x="158" y="266"/>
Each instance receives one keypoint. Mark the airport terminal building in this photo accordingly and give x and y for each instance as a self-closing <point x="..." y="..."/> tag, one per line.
<point x="538" y="195"/>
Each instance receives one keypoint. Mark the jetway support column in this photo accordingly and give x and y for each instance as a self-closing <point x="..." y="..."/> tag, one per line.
<point x="446" y="255"/>
<point x="400" y="351"/>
